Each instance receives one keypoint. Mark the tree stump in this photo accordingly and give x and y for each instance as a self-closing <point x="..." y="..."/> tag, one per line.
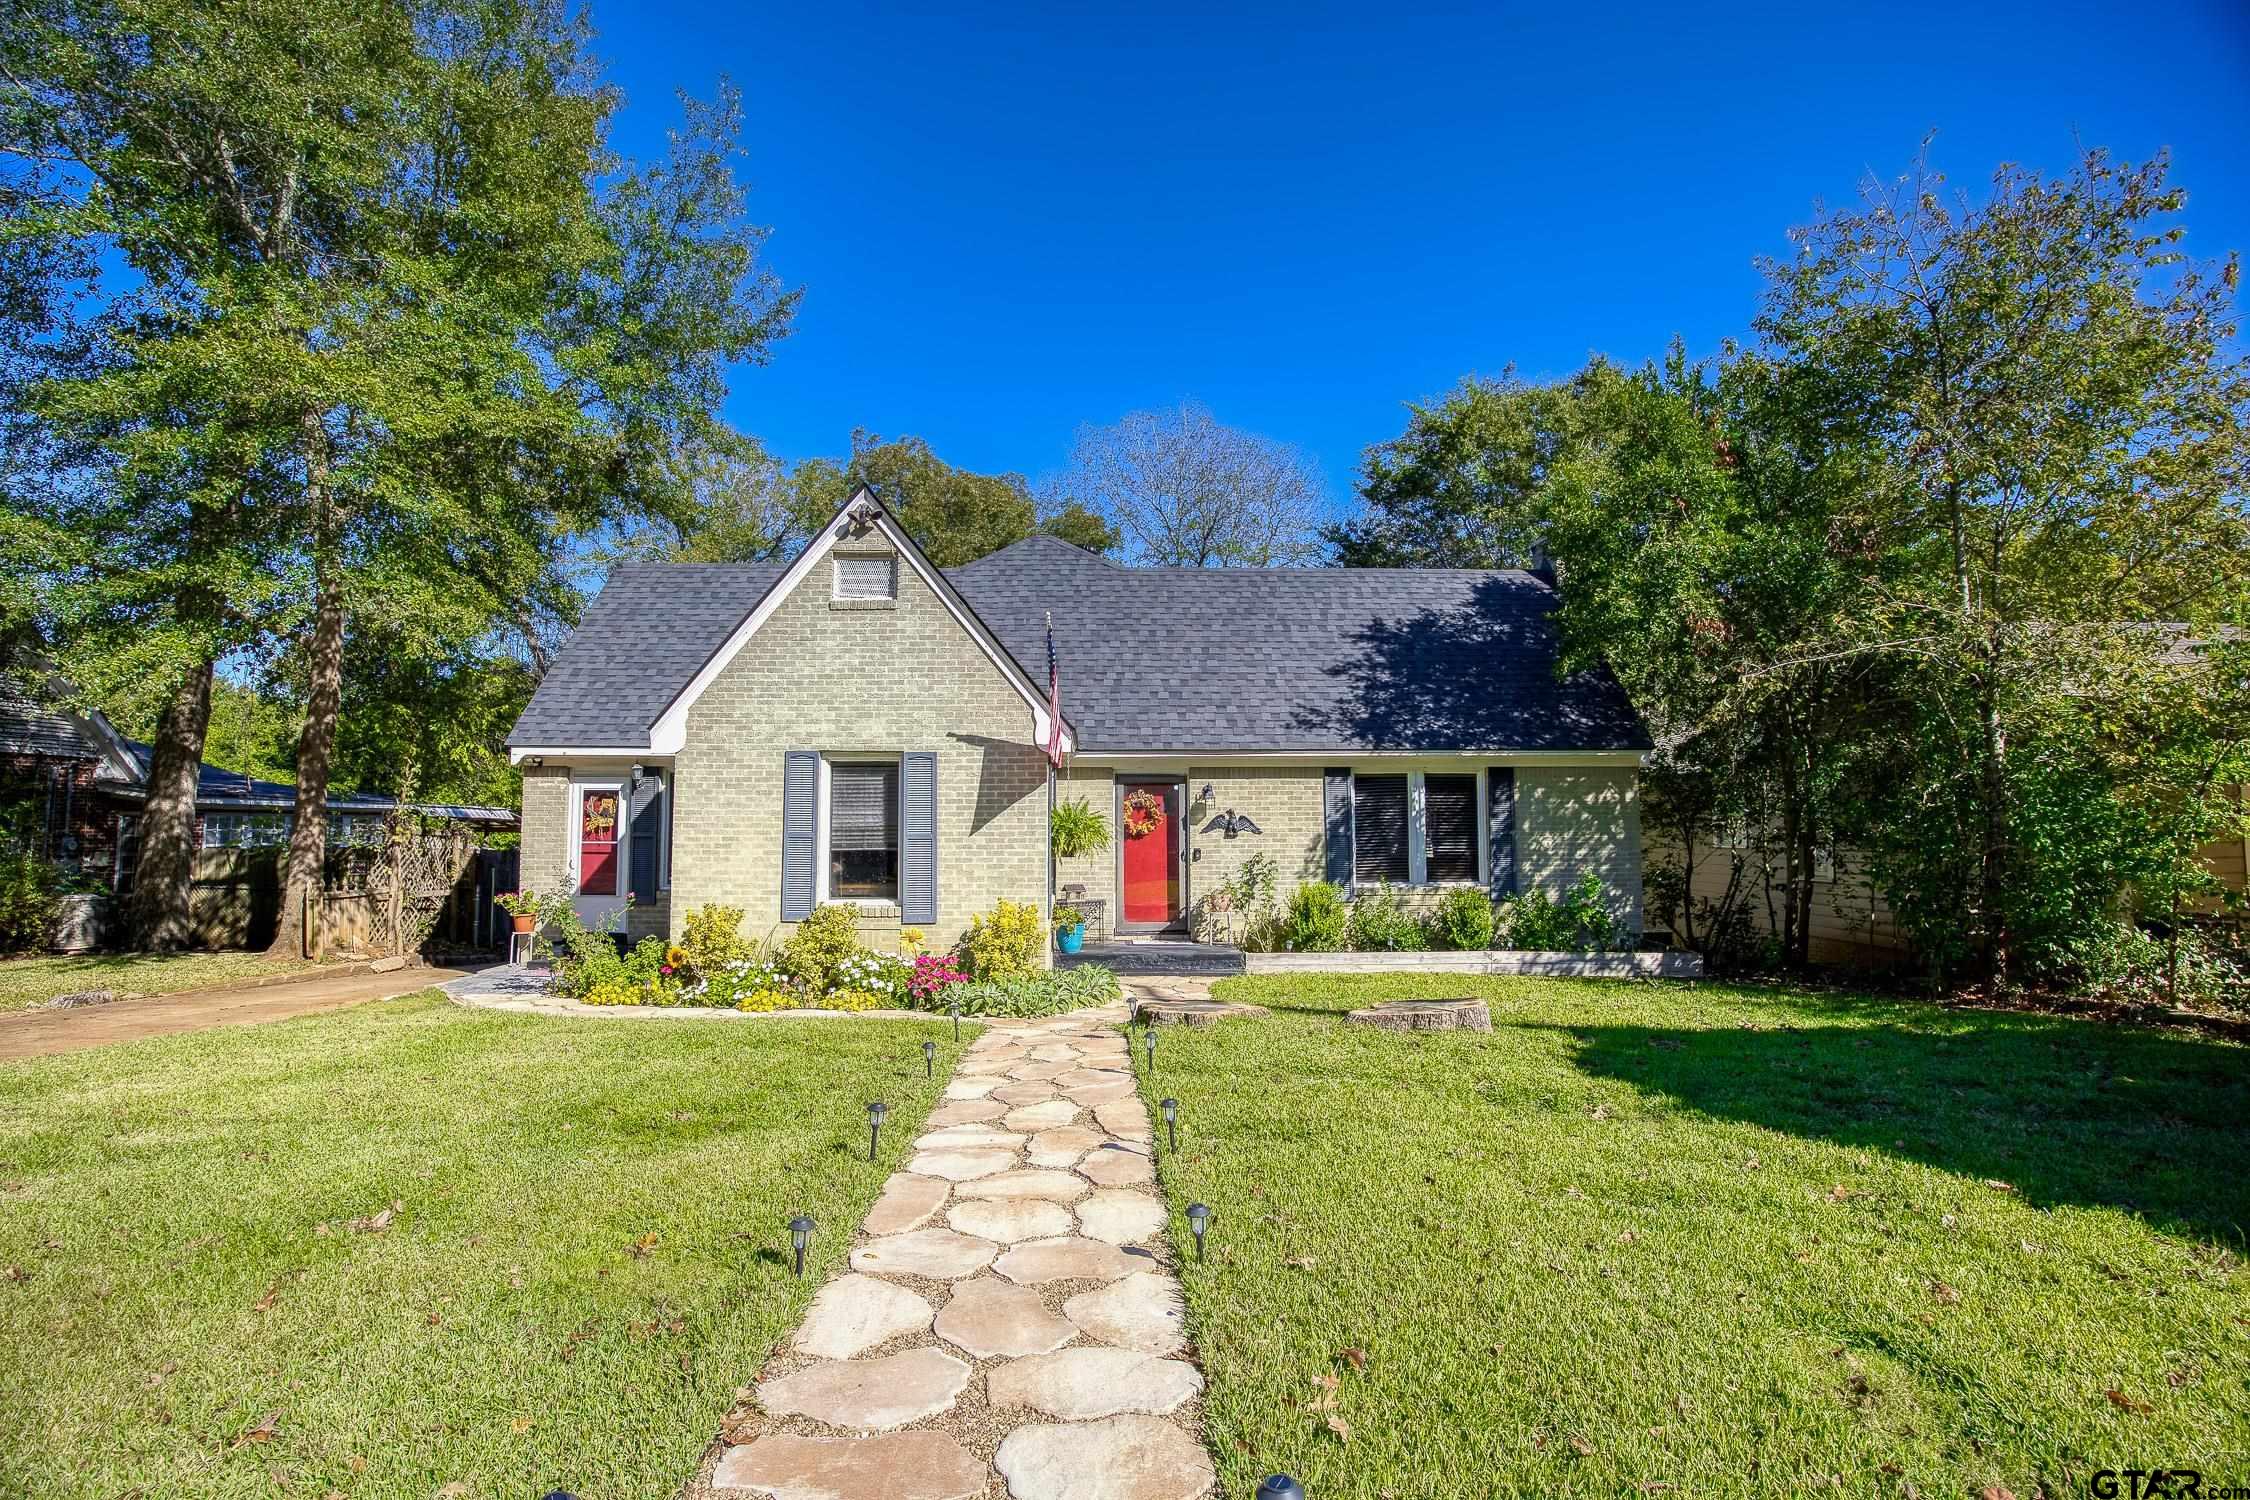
<point x="1425" y="1015"/>
<point x="1185" y="1012"/>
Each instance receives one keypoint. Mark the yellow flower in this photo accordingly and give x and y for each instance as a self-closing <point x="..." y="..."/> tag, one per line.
<point x="675" y="956"/>
<point x="910" y="940"/>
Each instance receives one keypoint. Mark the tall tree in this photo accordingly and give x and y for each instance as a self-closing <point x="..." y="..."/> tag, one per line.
<point x="1446" y="492"/>
<point x="1183" y="489"/>
<point x="383" y="251"/>
<point x="953" y="514"/>
<point x="2055" y="387"/>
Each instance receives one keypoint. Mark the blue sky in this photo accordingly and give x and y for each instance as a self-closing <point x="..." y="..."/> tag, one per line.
<point x="1011" y="221"/>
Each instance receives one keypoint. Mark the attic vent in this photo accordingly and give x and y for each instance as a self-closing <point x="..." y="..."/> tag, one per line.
<point x="866" y="578"/>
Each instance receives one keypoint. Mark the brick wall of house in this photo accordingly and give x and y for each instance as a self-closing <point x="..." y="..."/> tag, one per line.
<point x="545" y="859"/>
<point x="845" y="677"/>
<point x="1568" y="820"/>
<point x="1573" y="819"/>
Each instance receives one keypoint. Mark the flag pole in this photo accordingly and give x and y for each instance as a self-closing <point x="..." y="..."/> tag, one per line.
<point x="1049" y="915"/>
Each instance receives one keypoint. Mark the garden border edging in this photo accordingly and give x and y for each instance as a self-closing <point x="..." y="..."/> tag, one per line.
<point x="1664" y="964"/>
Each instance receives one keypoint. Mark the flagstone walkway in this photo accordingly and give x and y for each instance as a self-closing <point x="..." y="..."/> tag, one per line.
<point x="1010" y="1325"/>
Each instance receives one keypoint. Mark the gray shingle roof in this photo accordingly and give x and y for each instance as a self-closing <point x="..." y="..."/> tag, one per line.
<point x="30" y="727"/>
<point x="650" y="630"/>
<point x="1305" y="659"/>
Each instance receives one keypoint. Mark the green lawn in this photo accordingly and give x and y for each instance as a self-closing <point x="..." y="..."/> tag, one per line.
<point x="585" y="1262"/>
<point x="1658" y="1239"/>
<point x="28" y="981"/>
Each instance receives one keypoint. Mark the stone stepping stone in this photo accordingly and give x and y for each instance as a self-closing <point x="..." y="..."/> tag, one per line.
<point x="1118" y="1166"/>
<point x="1054" y="1052"/>
<point x="918" y="1465"/>
<point x="1118" y="1217"/>
<point x="966" y="1112"/>
<point x="993" y="1320"/>
<point x="1081" y="1385"/>
<point x="1038" y="1072"/>
<point x="1142" y="1313"/>
<point x="854" y="1313"/>
<point x="961" y="1165"/>
<point x="1062" y="1146"/>
<point x="1091" y="1094"/>
<point x="1042" y="1116"/>
<point x="1424" y="1015"/>
<point x="1124" y="1458"/>
<point x="1024" y="1093"/>
<point x="1010" y="1220"/>
<point x="1127" y="1119"/>
<point x="1069" y="1258"/>
<point x="1183" y="1012"/>
<point x="872" y="1394"/>
<point x="1080" y="1077"/>
<point x="958" y="1137"/>
<point x="987" y="1066"/>
<point x="939" y="1254"/>
<point x="1055" y="1187"/>
<point x="972" y="1088"/>
<point x="908" y="1202"/>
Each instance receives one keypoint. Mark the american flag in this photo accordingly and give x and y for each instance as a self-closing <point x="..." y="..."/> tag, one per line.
<point x="1054" y="701"/>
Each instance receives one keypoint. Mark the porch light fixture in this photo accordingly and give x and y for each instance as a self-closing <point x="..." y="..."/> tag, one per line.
<point x="800" y="1235"/>
<point x="929" y="1059"/>
<point x="1279" y="1487"/>
<point x="1171" y="1108"/>
<point x="875" y="1113"/>
<point x="1199" y="1220"/>
<point x="1207" y="793"/>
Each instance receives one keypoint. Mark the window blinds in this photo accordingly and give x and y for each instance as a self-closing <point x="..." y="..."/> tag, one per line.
<point x="1379" y="829"/>
<point x="1449" y="808"/>
<point x="863" y="807"/>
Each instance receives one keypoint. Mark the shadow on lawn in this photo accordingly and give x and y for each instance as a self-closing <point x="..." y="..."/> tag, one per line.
<point x="2067" y="1113"/>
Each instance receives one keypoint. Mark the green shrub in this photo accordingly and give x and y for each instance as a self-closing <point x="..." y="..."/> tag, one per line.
<point x="30" y="897"/>
<point x="1077" y="829"/>
<point x="1380" y="923"/>
<point x="639" y="978"/>
<point x="1580" y="922"/>
<point x="1462" y="921"/>
<point x="1005" y="942"/>
<point x="712" y="938"/>
<point x="1317" y="920"/>
<point x="819" y="946"/>
<point x="1041" y="995"/>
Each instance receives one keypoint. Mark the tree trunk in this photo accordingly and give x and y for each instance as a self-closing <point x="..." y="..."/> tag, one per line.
<point x="308" y="839"/>
<point x="1993" y="792"/>
<point x="164" y="869"/>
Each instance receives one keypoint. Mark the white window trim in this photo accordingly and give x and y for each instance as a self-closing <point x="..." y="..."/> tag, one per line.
<point x="1418" y="827"/>
<point x="821" y="896"/>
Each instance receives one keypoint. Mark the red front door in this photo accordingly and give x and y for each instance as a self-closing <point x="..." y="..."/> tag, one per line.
<point x="1149" y="817"/>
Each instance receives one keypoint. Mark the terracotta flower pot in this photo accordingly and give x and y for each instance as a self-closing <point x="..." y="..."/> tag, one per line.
<point x="525" y="922"/>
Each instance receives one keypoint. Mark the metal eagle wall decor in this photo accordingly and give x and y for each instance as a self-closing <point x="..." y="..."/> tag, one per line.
<point x="1231" y="823"/>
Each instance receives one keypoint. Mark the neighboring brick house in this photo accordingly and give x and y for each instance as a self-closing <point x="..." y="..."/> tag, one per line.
<point x="72" y="789"/>
<point x="860" y="726"/>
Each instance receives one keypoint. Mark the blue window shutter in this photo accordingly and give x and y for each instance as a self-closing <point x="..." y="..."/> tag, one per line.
<point x="1338" y="843"/>
<point x="917" y="855"/>
<point x="647" y="840"/>
<point x="800" y="794"/>
<point x="1500" y="813"/>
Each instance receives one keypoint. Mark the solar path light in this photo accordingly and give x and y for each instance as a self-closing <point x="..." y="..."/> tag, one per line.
<point x="1279" y="1487"/>
<point x="1199" y="1220"/>
<point x="1171" y="1108"/>
<point x="800" y="1235"/>
<point x="929" y="1059"/>
<point x="875" y="1113"/>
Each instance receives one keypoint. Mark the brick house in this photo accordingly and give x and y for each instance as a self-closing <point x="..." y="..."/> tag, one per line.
<point x="859" y="726"/>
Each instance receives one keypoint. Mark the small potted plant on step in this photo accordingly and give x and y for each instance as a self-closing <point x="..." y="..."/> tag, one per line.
<point x="521" y="905"/>
<point x="1070" y="928"/>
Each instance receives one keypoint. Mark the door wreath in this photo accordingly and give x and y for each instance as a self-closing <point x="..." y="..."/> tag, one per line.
<point x="1144" y="813"/>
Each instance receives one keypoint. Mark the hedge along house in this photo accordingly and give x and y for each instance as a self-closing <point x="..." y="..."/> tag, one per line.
<point x="859" y="726"/>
